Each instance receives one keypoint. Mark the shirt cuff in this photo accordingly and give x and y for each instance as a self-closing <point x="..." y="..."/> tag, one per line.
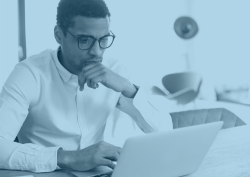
<point x="49" y="159"/>
<point x="34" y="158"/>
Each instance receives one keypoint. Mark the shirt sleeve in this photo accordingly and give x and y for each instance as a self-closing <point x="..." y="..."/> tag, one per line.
<point x="15" y="99"/>
<point x="148" y="116"/>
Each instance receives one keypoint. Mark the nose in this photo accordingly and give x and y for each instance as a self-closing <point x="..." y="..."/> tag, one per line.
<point x="96" y="50"/>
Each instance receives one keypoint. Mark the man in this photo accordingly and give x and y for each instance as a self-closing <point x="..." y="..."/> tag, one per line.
<point x="59" y="120"/>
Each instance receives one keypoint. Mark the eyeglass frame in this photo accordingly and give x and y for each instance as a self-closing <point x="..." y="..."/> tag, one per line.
<point x="94" y="39"/>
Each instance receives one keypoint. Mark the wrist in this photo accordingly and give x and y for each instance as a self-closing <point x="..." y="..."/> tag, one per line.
<point x="130" y="90"/>
<point x="63" y="159"/>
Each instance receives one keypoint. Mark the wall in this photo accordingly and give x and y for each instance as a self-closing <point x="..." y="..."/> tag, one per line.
<point x="148" y="46"/>
<point x="222" y="46"/>
<point x="8" y="39"/>
<point x="40" y="23"/>
<point x="219" y="52"/>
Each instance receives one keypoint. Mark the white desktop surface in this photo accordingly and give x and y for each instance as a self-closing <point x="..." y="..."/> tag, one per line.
<point x="229" y="156"/>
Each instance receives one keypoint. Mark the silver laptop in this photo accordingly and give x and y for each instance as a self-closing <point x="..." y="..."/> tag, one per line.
<point x="170" y="154"/>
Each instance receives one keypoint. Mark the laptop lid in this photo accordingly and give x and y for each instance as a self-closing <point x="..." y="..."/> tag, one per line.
<point x="170" y="154"/>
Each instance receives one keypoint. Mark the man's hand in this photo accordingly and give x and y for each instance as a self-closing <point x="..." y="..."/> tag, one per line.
<point x="95" y="72"/>
<point x="100" y="154"/>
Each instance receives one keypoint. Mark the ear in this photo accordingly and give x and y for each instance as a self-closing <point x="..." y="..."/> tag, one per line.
<point x="58" y="34"/>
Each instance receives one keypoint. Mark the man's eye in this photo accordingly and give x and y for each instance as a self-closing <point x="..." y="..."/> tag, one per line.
<point x="105" y="39"/>
<point x="83" y="40"/>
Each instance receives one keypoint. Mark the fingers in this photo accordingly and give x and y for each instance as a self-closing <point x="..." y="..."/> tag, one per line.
<point x="91" y="66"/>
<point x="111" y="155"/>
<point x="94" y="77"/>
<point x="92" y="70"/>
<point x="93" y="83"/>
<point x="101" y="154"/>
<point x="119" y="150"/>
<point x="115" y="149"/>
<point x="96" y="80"/>
<point x="106" y="162"/>
<point x="112" y="147"/>
<point x="108" y="150"/>
<point x="88" y="72"/>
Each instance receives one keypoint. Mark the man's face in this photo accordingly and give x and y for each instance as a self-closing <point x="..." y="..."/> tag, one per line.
<point x="73" y="57"/>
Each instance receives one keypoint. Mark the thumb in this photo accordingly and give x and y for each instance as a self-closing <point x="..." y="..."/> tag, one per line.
<point x="81" y="82"/>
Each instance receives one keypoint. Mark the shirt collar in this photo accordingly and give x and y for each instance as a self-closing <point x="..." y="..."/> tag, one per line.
<point x="64" y="73"/>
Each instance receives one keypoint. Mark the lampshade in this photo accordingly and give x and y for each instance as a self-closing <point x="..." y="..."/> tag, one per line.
<point x="185" y="27"/>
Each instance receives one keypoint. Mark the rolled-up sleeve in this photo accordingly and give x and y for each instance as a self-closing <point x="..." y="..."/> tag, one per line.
<point x="148" y="116"/>
<point x="15" y="99"/>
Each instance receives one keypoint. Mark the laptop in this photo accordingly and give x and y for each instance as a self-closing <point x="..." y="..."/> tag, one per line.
<point x="170" y="154"/>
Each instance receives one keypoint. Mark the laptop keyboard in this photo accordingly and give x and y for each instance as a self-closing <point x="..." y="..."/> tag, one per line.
<point x="109" y="174"/>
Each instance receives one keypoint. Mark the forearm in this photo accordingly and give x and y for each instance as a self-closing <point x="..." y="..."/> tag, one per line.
<point x="149" y="115"/>
<point x="29" y="157"/>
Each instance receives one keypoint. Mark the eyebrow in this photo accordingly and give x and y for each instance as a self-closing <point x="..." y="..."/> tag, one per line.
<point x="84" y="35"/>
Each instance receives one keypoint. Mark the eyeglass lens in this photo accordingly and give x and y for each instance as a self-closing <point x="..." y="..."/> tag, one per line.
<point x="87" y="42"/>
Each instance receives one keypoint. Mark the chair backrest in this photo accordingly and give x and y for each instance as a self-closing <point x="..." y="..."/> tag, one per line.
<point x="183" y="87"/>
<point x="179" y="81"/>
<point x="202" y="116"/>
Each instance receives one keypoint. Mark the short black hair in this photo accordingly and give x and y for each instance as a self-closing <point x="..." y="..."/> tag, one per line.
<point x="68" y="9"/>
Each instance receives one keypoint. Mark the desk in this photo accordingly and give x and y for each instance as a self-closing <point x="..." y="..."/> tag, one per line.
<point x="229" y="155"/>
<point x="240" y="96"/>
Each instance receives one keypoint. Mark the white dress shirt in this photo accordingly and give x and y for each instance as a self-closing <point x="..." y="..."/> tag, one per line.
<point x="41" y="103"/>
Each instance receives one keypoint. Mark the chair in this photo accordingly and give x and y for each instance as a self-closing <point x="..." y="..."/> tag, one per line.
<point x="202" y="116"/>
<point x="16" y="140"/>
<point x="182" y="87"/>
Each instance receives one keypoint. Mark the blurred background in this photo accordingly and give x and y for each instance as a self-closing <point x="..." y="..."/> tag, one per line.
<point x="146" y="41"/>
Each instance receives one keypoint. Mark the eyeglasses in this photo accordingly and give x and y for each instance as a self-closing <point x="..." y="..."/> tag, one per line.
<point x="86" y="42"/>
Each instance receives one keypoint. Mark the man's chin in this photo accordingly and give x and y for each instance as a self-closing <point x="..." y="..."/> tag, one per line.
<point x="78" y="68"/>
